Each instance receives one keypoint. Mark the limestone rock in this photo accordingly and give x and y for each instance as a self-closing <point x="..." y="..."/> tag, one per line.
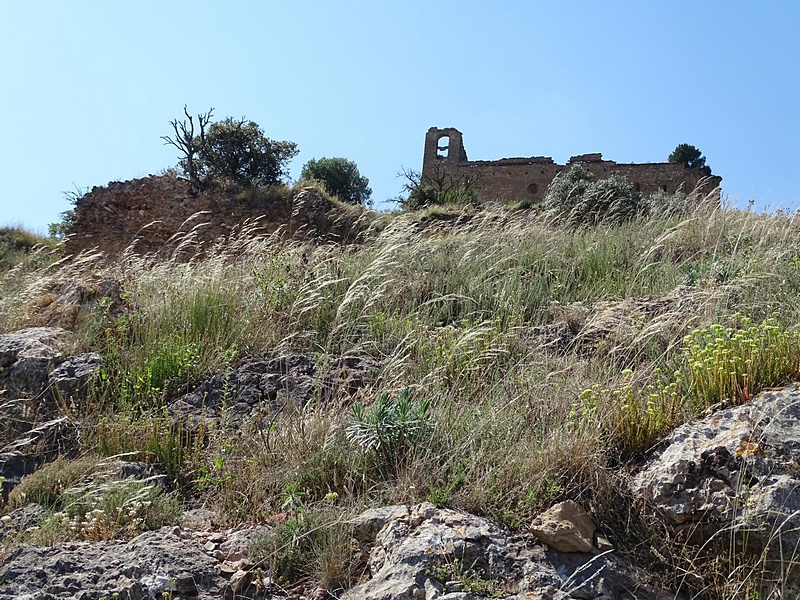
<point x="262" y="385"/>
<point x="71" y="376"/>
<point x="143" y="568"/>
<point x="22" y="456"/>
<point x="423" y="552"/>
<point x="237" y="545"/>
<point x="735" y="470"/>
<point x="233" y="399"/>
<point x="20" y="520"/>
<point x="13" y="467"/>
<point x="47" y="440"/>
<point x="565" y="527"/>
<point x="367" y="525"/>
<point x="35" y="376"/>
<point x="26" y="357"/>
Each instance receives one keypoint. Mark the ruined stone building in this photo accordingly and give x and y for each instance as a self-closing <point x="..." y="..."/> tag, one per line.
<point x="510" y="179"/>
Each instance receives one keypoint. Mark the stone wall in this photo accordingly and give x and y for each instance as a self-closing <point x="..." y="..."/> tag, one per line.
<point x="509" y="179"/>
<point x="158" y="213"/>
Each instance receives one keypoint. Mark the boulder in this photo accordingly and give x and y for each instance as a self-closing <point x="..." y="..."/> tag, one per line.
<point x="18" y="522"/>
<point x="367" y="525"/>
<point x="566" y="527"/>
<point x="26" y="358"/>
<point x="732" y="476"/>
<point x="36" y="377"/>
<point x="45" y="441"/>
<point x="425" y="553"/>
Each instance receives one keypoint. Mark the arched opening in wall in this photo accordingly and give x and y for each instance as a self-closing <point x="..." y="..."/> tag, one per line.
<point x="663" y="188"/>
<point x="533" y="189"/>
<point x="637" y="187"/>
<point x="443" y="146"/>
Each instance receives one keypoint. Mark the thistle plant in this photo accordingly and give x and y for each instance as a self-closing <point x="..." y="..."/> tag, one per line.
<point x="392" y="429"/>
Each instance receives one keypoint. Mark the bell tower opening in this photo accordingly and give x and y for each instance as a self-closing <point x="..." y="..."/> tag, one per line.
<point x="443" y="146"/>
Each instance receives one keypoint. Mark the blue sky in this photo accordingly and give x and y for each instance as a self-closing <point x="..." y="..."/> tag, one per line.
<point x="89" y="86"/>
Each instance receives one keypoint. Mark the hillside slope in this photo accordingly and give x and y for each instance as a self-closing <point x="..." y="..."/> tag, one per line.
<point x="493" y="363"/>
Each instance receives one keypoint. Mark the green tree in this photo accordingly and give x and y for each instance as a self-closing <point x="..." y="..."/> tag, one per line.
<point x="341" y="178"/>
<point x="688" y="155"/>
<point x="237" y="150"/>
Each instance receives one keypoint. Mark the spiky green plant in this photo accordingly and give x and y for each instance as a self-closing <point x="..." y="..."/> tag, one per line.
<point x="392" y="429"/>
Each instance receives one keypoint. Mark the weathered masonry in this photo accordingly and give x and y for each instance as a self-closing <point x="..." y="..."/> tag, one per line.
<point x="445" y="163"/>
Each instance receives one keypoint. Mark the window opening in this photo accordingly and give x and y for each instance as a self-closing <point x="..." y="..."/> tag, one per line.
<point x="443" y="146"/>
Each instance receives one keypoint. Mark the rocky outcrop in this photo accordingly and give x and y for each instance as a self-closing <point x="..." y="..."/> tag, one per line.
<point x="265" y="385"/>
<point x="13" y="467"/>
<point x="183" y="563"/>
<point x="33" y="365"/>
<point x="35" y="377"/>
<point x="26" y="358"/>
<point x="167" y="560"/>
<point x="425" y="553"/>
<point x="731" y="479"/>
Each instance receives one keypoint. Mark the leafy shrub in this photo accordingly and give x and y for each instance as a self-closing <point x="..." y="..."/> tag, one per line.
<point x="238" y="151"/>
<point x="666" y="204"/>
<point x="689" y="156"/>
<point x="577" y="200"/>
<point x="426" y="196"/>
<point x="392" y="429"/>
<point x="420" y="197"/>
<point x="441" y="189"/>
<point x="718" y="365"/>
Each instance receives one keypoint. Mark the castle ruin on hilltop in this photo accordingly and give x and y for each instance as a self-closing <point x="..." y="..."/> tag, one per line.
<point x="445" y="162"/>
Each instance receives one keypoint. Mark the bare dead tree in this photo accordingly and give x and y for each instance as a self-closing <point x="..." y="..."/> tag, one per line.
<point x="442" y="179"/>
<point x="189" y="144"/>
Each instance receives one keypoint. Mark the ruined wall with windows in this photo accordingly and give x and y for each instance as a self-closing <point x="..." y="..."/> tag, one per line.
<point x="445" y="163"/>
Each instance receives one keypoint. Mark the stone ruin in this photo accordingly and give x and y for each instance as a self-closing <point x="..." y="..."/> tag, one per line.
<point x="445" y="163"/>
<point x="159" y="214"/>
